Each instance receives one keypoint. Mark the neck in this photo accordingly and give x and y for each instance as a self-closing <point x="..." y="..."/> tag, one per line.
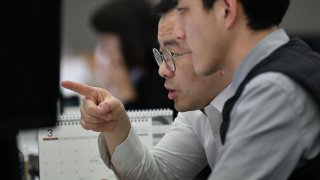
<point x="243" y="43"/>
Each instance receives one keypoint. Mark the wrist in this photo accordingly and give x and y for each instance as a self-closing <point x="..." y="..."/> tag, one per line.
<point x="120" y="132"/>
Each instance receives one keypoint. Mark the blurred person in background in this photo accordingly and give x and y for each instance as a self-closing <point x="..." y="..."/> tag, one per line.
<point x="124" y="63"/>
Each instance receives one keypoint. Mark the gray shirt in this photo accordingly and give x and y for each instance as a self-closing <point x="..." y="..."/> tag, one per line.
<point x="274" y="126"/>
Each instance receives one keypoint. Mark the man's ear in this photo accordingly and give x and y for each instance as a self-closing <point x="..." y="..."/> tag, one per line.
<point x="230" y="12"/>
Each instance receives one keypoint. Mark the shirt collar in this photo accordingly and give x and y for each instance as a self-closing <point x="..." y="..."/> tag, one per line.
<point x="220" y="99"/>
<point x="262" y="50"/>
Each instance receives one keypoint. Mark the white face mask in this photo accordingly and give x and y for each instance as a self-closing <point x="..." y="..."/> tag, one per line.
<point x="102" y="61"/>
<point x="110" y="70"/>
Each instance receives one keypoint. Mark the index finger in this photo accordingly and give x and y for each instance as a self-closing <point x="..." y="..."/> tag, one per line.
<point x="78" y="87"/>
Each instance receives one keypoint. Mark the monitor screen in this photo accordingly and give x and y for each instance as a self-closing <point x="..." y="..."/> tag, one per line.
<point x="30" y="56"/>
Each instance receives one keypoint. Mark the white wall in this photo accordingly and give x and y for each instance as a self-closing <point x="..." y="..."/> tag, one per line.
<point x="77" y="35"/>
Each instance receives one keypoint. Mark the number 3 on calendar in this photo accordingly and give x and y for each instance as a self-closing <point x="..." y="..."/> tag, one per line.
<point x="50" y="132"/>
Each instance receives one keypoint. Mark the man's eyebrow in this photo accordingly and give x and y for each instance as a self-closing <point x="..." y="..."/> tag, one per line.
<point x="171" y="42"/>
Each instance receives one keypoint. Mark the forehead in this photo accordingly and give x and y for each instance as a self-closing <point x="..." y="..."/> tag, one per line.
<point x="186" y="1"/>
<point x="166" y="37"/>
<point x="166" y="25"/>
<point x="191" y="5"/>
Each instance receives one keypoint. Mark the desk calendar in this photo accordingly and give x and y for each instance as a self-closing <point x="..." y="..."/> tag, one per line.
<point x="67" y="151"/>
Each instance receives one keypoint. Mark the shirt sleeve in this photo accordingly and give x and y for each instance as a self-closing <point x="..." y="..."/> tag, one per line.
<point x="264" y="133"/>
<point x="178" y="155"/>
<point x="103" y="150"/>
<point x="126" y="157"/>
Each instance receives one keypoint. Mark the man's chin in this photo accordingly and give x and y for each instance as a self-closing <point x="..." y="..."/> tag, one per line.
<point x="182" y="108"/>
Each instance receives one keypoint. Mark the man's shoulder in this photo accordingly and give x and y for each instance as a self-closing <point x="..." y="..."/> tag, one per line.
<point x="272" y="79"/>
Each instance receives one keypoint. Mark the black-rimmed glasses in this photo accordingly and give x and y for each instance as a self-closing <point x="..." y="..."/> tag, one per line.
<point x="168" y="57"/>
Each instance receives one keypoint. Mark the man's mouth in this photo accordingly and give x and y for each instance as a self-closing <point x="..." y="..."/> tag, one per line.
<point x="172" y="94"/>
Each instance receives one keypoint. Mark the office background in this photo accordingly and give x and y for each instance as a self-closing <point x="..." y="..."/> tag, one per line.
<point x="79" y="39"/>
<point x="77" y="36"/>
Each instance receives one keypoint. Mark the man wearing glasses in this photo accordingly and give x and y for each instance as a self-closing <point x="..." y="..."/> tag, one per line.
<point x="193" y="141"/>
<point x="168" y="57"/>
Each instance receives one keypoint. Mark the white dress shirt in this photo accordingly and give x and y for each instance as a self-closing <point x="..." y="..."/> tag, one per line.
<point x="191" y="143"/>
<point x="274" y="126"/>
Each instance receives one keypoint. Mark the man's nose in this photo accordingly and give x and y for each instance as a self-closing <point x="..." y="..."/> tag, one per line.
<point x="164" y="71"/>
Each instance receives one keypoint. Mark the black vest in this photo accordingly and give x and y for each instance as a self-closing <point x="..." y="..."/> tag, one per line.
<point x="297" y="61"/>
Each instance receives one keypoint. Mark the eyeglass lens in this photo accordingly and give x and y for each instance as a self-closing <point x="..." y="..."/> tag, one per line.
<point x="166" y="56"/>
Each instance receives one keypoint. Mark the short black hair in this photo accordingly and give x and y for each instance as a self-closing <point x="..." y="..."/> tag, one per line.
<point x="261" y="14"/>
<point x="135" y="25"/>
<point x="164" y="6"/>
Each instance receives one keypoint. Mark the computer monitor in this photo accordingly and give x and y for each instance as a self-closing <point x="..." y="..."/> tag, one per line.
<point x="29" y="72"/>
<point x="30" y="56"/>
